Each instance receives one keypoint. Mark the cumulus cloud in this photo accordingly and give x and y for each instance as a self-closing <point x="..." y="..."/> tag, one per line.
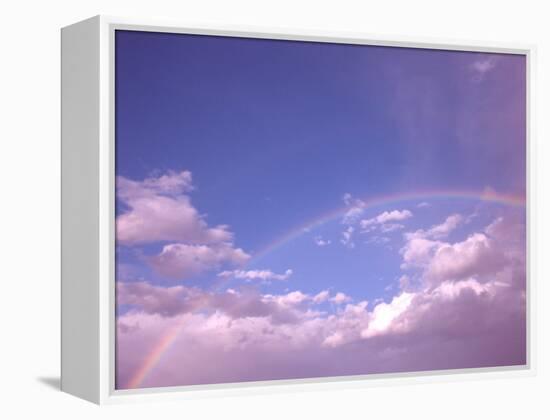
<point x="159" y="209"/>
<point x="465" y="308"/>
<point x="383" y="316"/>
<point x="476" y="255"/>
<point x="250" y="275"/>
<point x="340" y="298"/>
<point x="481" y="254"/>
<point x="321" y="297"/>
<point x="181" y="261"/>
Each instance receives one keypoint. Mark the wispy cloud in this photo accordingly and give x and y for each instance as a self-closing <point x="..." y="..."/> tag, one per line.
<point x="440" y="230"/>
<point x="250" y="275"/>
<point x="386" y="221"/>
<point x="482" y="66"/>
<point x="319" y="241"/>
<point x="347" y="237"/>
<point x="356" y="208"/>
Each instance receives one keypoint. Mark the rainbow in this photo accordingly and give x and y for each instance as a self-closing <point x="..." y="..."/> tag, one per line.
<point x="373" y="202"/>
<point x="161" y="347"/>
<point x="154" y="356"/>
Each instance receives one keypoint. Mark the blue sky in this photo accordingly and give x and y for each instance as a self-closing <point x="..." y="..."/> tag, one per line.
<point x="264" y="137"/>
<point x="275" y="132"/>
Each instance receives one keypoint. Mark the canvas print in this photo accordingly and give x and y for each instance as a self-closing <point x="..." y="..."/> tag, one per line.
<point x="298" y="210"/>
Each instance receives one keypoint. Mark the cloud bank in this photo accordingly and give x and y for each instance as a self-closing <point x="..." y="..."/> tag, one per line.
<point x="460" y="304"/>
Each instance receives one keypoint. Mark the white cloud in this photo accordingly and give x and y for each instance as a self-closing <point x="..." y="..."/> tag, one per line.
<point x="442" y="230"/>
<point x="352" y="215"/>
<point x="356" y="208"/>
<point x="340" y="298"/>
<point x="290" y="299"/>
<point x="423" y="204"/>
<point x="385" y="220"/>
<point x="321" y="297"/>
<point x="418" y="251"/>
<point x="438" y="231"/>
<point x="347" y="237"/>
<point x="384" y="315"/>
<point x="319" y="241"/>
<point x="387" y="216"/>
<point x="249" y="275"/>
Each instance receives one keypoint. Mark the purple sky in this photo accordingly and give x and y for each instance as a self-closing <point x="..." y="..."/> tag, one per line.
<point x="254" y="241"/>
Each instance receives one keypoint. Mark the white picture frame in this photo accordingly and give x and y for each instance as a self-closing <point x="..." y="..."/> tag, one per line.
<point x="88" y="221"/>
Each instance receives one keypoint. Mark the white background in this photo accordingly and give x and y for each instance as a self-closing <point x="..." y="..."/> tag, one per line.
<point x="29" y="206"/>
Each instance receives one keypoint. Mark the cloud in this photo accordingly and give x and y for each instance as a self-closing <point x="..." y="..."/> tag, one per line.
<point x="384" y="315"/>
<point x="347" y="237"/>
<point x="391" y="227"/>
<point x="321" y="297"/>
<point x="477" y="255"/>
<point x="482" y="66"/>
<point x="385" y="220"/>
<point x="387" y="216"/>
<point x="319" y="241"/>
<point x="347" y="198"/>
<point x="378" y="240"/>
<point x="453" y="311"/>
<point x="481" y="254"/>
<point x="249" y="275"/>
<point x="438" y="231"/>
<point x="158" y="209"/>
<point x="169" y="301"/>
<point x="423" y="204"/>
<point x="356" y="208"/>
<point x="177" y="300"/>
<point x="340" y="298"/>
<point x="181" y="261"/>
<point x="165" y="301"/>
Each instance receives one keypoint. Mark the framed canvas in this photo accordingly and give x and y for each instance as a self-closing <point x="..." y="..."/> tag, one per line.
<point x="247" y="210"/>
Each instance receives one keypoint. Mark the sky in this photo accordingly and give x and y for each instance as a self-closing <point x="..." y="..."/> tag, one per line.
<point x="297" y="209"/>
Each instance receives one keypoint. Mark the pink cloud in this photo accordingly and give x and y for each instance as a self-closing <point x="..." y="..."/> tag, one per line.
<point x="472" y="316"/>
<point x="182" y="261"/>
<point x="159" y="210"/>
<point x="477" y="255"/>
